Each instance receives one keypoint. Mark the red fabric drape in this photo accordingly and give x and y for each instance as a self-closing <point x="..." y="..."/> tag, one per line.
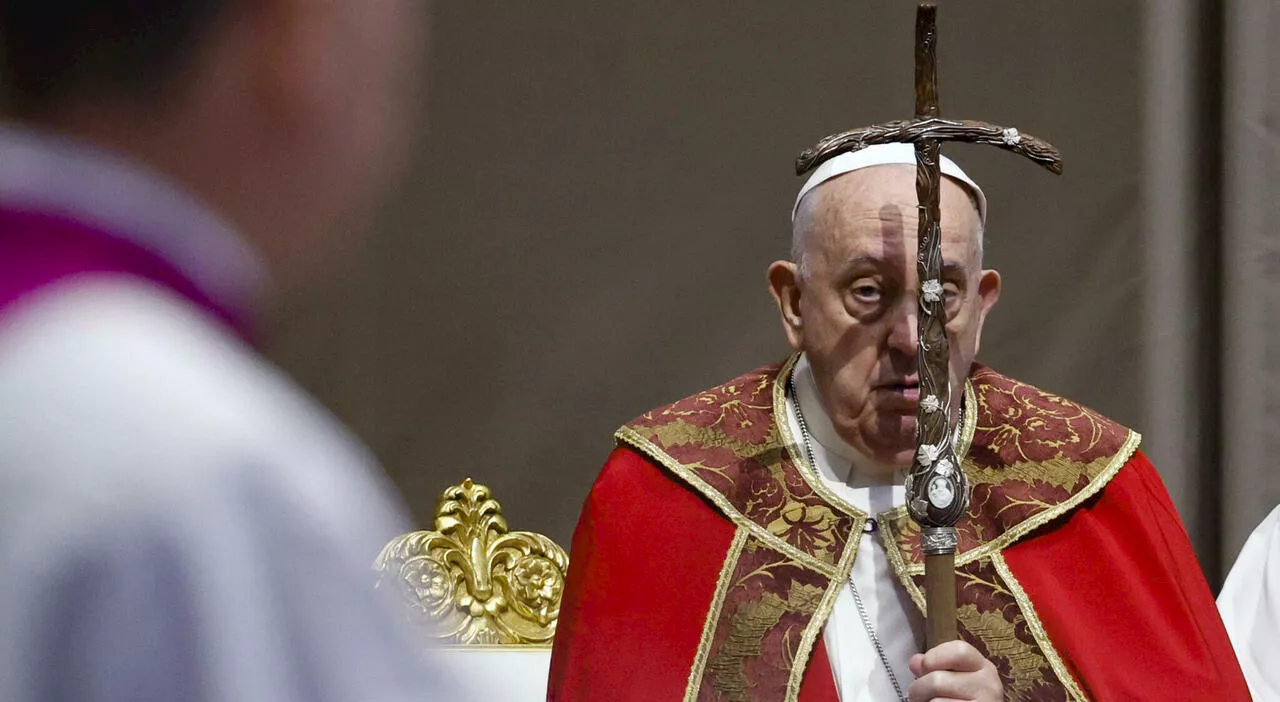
<point x="1115" y="584"/>
<point x="643" y="568"/>
<point x="1122" y="597"/>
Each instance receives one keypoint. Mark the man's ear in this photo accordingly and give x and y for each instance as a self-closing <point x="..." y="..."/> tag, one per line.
<point x="988" y="295"/>
<point x="294" y="49"/>
<point x="784" y="285"/>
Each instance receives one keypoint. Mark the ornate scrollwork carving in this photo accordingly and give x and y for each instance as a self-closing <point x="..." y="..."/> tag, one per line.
<point x="470" y="580"/>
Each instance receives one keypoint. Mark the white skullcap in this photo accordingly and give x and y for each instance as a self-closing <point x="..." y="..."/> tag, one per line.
<point x="884" y="155"/>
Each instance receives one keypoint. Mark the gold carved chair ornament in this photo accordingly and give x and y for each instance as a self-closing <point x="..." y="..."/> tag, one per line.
<point x="488" y="597"/>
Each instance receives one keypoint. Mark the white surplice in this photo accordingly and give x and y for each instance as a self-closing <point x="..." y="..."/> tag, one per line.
<point x="859" y="674"/>
<point x="1250" y="607"/>
<point x="178" y="521"/>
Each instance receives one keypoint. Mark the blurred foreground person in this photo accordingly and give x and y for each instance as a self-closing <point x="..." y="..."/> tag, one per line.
<point x="177" y="520"/>
<point x="751" y="542"/>
<point x="1250" y="606"/>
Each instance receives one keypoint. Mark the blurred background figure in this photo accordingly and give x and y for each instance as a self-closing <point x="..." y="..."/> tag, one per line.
<point x="177" y="520"/>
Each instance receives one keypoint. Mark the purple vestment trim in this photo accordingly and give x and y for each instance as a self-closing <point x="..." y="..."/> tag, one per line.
<point x="38" y="249"/>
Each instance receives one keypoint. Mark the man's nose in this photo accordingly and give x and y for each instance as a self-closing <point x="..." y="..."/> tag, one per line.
<point x="903" y="329"/>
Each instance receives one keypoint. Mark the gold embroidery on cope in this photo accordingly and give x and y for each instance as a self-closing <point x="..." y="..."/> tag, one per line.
<point x="998" y="633"/>
<point x="753" y="646"/>
<point x="1035" y="457"/>
<point x="1032" y="457"/>
<point x="993" y="621"/>
<point x="1037" y="629"/>
<point x="727" y="438"/>
<point x="690" y="476"/>
<point x="828" y="603"/>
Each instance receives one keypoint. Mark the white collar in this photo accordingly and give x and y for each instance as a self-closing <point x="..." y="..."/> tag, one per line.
<point x="58" y="174"/>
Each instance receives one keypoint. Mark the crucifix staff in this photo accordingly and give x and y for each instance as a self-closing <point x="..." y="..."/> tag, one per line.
<point x="936" y="487"/>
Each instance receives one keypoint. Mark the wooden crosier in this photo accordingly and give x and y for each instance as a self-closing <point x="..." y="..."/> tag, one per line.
<point x="937" y="489"/>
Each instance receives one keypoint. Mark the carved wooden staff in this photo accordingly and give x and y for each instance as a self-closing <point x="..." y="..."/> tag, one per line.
<point x="937" y="489"/>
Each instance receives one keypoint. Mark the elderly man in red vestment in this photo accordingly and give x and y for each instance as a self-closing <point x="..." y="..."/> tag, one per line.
<point x="750" y="542"/>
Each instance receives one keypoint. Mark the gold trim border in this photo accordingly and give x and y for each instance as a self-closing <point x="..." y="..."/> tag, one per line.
<point x="809" y="473"/>
<point x="891" y="549"/>
<point x="1037" y="628"/>
<point x="782" y="422"/>
<point x="635" y="440"/>
<point x="731" y="558"/>
<point x="1039" y="519"/>
<point x="969" y="419"/>
<point x="800" y="665"/>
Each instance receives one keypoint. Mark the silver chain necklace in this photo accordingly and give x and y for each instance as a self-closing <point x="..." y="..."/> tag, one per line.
<point x="853" y="587"/>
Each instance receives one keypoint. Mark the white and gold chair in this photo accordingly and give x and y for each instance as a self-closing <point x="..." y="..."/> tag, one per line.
<point x="486" y="596"/>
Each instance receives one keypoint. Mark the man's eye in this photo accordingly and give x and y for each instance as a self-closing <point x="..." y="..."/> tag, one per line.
<point x="952" y="301"/>
<point x="867" y="292"/>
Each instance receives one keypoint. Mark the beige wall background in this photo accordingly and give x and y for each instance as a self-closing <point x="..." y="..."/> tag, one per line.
<point x="599" y="186"/>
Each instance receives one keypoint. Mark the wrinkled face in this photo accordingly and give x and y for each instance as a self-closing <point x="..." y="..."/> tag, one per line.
<point x="853" y="311"/>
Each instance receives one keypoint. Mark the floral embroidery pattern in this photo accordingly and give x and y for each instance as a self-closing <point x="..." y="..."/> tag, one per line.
<point x="727" y="437"/>
<point x="1031" y="454"/>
